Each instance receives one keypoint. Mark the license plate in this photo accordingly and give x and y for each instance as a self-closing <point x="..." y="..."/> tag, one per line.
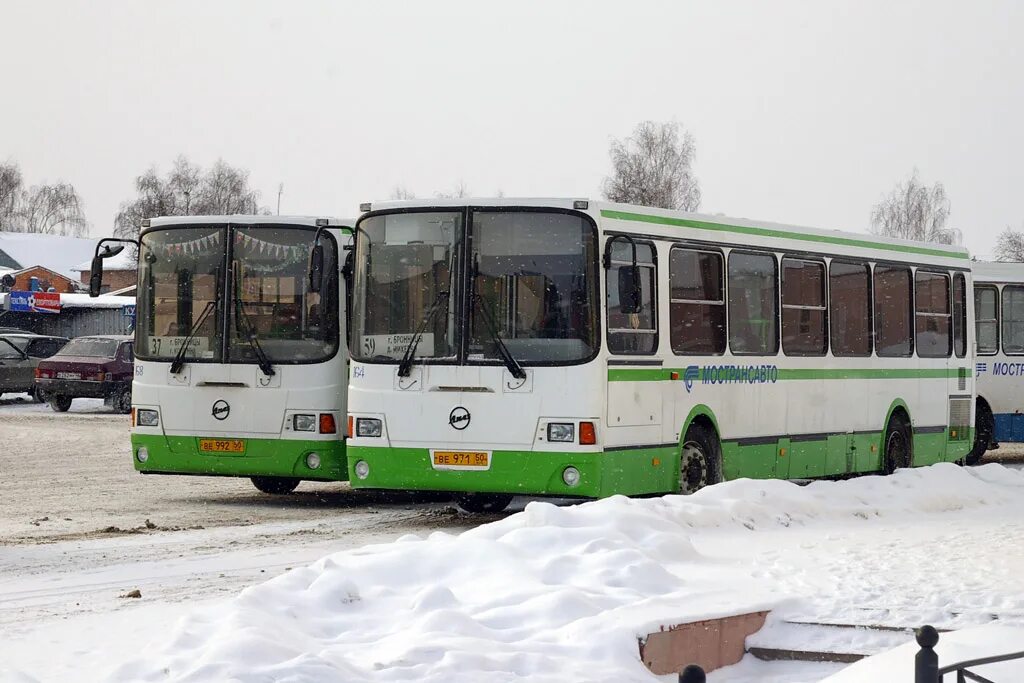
<point x="461" y="460"/>
<point x="69" y="375"/>
<point x="222" y="445"/>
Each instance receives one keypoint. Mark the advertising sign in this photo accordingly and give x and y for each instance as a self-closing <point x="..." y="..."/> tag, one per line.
<point x="33" y="302"/>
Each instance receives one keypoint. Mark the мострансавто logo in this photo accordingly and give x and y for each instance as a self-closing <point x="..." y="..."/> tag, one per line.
<point x="730" y="374"/>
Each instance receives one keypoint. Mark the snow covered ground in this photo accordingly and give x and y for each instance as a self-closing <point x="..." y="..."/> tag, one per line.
<point x="561" y="593"/>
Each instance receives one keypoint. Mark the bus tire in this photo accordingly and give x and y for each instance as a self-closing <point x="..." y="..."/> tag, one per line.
<point x="982" y="434"/>
<point x="898" y="447"/>
<point x="483" y="502"/>
<point x="123" y="400"/>
<point x="275" y="485"/>
<point x="60" y="404"/>
<point x="700" y="460"/>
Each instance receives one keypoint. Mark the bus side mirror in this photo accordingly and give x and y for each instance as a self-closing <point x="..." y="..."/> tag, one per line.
<point x="630" y="300"/>
<point x="96" y="276"/>
<point x="316" y="268"/>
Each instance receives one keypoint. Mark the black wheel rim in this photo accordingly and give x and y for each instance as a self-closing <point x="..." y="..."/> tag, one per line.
<point x="693" y="468"/>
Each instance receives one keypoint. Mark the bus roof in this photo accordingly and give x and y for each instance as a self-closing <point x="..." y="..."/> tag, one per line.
<point x="251" y="220"/>
<point x="989" y="271"/>
<point x="727" y="229"/>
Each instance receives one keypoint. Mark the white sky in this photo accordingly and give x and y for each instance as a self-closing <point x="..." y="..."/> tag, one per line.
<point x="803" y="112"/>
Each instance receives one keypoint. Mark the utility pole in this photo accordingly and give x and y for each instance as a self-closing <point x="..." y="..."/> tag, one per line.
<point x="280" y="190"/>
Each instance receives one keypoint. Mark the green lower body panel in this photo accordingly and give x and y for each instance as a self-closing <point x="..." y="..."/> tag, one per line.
<point x="628" y="472"/>
<point x="261" y="458"/>
<point x="643" y="471"/>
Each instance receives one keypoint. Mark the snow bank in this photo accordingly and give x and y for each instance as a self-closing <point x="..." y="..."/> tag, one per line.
<point x="550" y="594"/>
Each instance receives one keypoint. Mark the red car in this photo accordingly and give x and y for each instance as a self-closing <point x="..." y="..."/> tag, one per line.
<point x="100" y="366"/>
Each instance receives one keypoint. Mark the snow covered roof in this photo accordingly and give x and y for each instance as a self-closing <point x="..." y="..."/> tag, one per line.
<point x="55" y="252"/>
<point x="86" y="301"/>
<point x="126" y="260"/>
<point x="988" y="271"/>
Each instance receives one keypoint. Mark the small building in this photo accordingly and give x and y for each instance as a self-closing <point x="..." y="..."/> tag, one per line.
<point x="42" y="279"/>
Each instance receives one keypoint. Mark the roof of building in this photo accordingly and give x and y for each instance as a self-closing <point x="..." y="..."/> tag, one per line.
<point x="127" y="259"/>
<point x="58" y="253"/>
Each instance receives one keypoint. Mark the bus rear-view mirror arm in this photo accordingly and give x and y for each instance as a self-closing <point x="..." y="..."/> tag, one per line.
<point x="104" y="251"/>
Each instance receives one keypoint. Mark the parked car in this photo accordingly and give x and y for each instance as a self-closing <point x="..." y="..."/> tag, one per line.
<point x="19" y="355"/>
<point x="100" y="366"/>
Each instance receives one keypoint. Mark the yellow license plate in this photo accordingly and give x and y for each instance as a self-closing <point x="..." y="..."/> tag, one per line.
<point x="222" y="445"/>
<point x="461" y="460"/>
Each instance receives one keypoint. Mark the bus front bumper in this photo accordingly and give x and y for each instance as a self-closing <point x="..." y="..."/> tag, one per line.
<point x="516" y="472"/>
<point x="260" y="458"/>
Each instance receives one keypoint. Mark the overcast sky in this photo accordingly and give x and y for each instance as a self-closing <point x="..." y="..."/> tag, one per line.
<point x="803" y="112"/>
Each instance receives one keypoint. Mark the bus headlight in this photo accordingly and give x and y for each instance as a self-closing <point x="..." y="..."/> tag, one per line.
<point x="142" y="454"/>
<point x="362" y="469"/>
<point x="571" y="476"/>
<point x="313" y="461"/>
<point x="147" y="418"/>
<point x="304" y="423"/>
<point x="562" y="431"/>
<point x="368" y="426"/>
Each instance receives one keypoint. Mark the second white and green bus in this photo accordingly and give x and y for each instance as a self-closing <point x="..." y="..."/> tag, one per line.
<point x="580" y="348"/>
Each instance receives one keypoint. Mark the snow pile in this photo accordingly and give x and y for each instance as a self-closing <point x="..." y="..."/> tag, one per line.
<point x="550" y="594"/>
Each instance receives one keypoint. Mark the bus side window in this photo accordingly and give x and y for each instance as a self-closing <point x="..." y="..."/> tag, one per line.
<point x="932" y="316"/>
<point x="850" y="308"/>
<point x="696" y="303"/>
<point x="959" y="315"/>
<point x="803" y="308"/>
<point x="1013" y="319"/>
<point x="753" y="304"/>
<point x="986" y="317"/>
<point x="633" y="333"/>
<point x="893" y="311"/>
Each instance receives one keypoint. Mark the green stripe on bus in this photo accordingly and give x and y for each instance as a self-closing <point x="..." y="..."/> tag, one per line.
<point x="665" y="374"/>
<point x="783" y="234"/>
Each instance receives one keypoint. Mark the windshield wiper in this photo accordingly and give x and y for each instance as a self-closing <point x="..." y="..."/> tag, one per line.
<point x="250" y="336"/>
<point x="179" y="357"/>
<point x="510" y="361"/>
<point x="410" y="351"/>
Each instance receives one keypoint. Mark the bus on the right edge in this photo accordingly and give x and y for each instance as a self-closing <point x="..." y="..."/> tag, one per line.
<point x="999" y="363"/>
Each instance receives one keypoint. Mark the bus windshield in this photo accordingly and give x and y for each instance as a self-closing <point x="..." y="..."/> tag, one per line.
<point x="406" y="267"/>
<point x="529" y="287"/>
<point x="532" y="284"/>
<point x="183" y="272"/>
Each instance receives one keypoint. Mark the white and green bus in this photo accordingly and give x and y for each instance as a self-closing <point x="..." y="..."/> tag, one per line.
<point x="240" y="357"/>
<point x="999" y="367"/>
<point x="579" y="348"/>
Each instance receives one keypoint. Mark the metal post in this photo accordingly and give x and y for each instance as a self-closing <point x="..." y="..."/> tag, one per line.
<point x="280" y="190"/>
<point x="693" y="674"/>
<point x="926" y="663"/>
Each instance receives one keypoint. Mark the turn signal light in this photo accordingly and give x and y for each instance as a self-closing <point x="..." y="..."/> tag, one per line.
<point x="351" y="426"/>
<point x="588" y="435"/>
<point x="327" y="425"/>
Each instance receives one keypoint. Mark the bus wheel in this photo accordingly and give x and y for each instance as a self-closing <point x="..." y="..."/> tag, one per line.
<point x="123" y="401"/>
<point x="982" y="435"/>
<point x="699" y="461"/>
<point x="276" y="485"/>
<point x="60" y="404"/>
<point x="898" y="447"/>
<point x="483" y="502"/>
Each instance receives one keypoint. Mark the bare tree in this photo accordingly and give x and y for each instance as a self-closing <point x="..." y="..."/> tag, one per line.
<point x="654" y="167"/>
<point x="913" y="211"/>
<point x="53" y="210"/>
<point x="10" y="193"/>
<point x="188" y="190"/>
<point x="1010" y="245"/>
<point x="460" y="191"/>
<point x="402" y="192"/>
